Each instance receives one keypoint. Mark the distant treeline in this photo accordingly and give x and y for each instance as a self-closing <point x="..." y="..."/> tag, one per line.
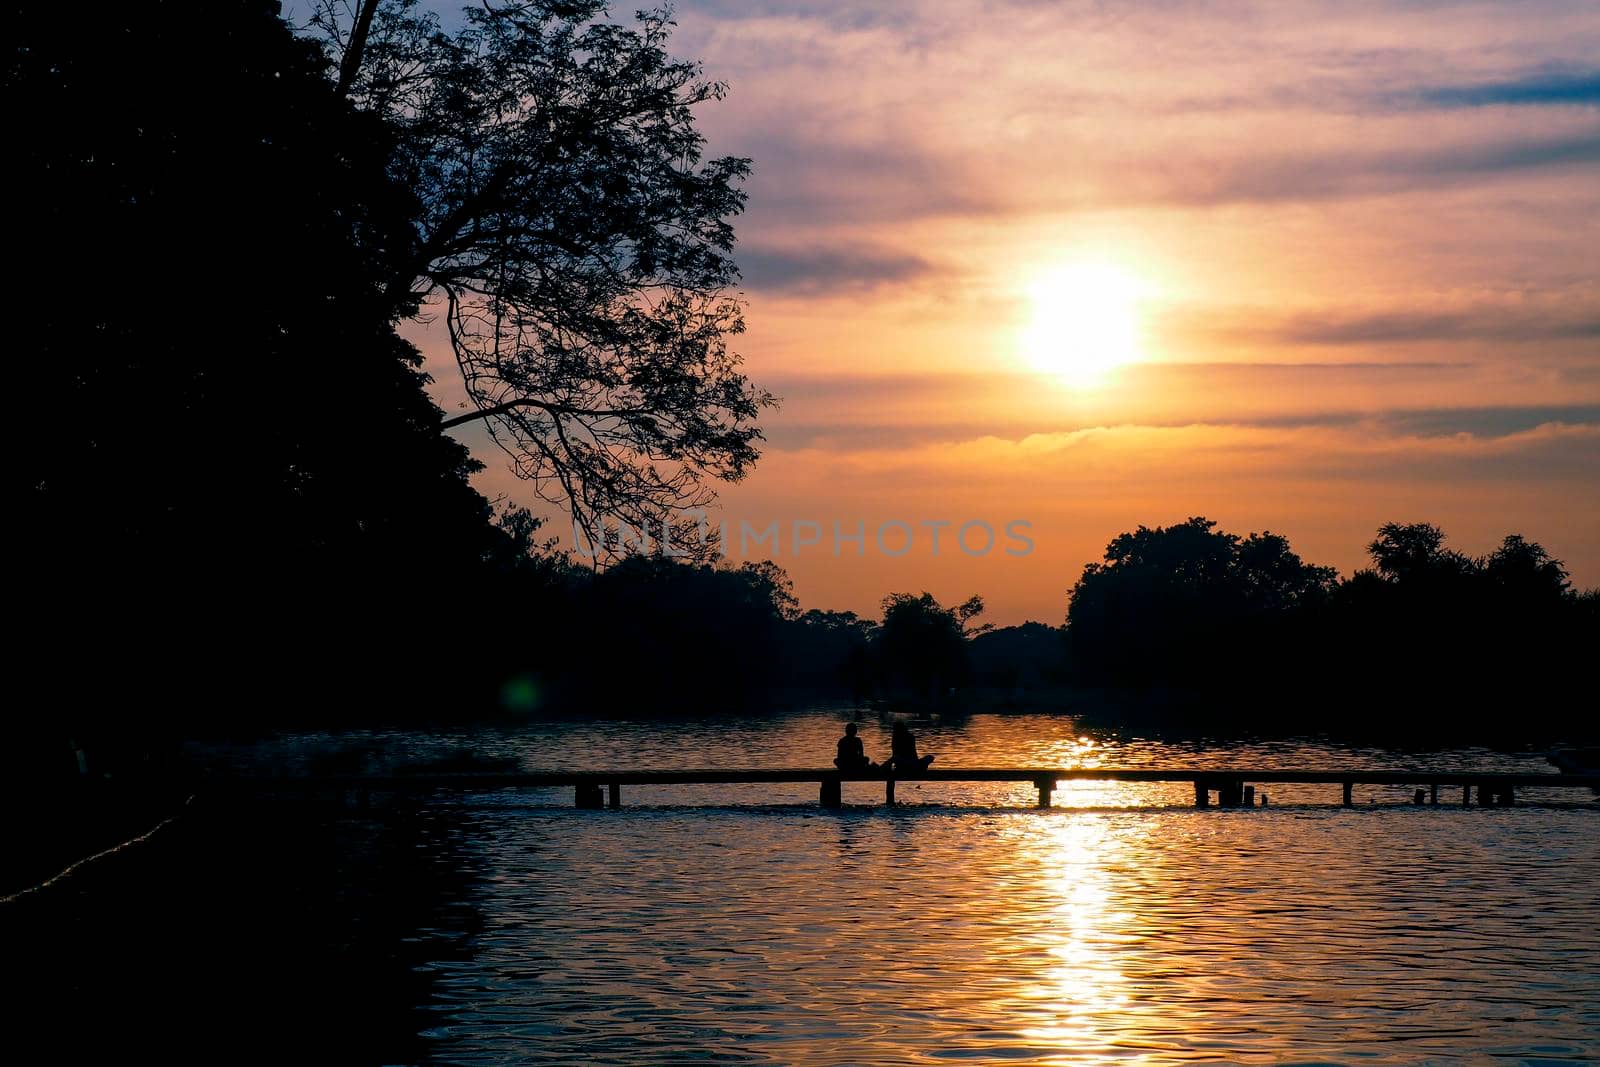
<point x="1426" y="638"/>
<point x="1185" y="620"/>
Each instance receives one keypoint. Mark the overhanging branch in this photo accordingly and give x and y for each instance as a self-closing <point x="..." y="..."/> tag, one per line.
<point x="530" y="402"/>
<point x="355" y="51"/>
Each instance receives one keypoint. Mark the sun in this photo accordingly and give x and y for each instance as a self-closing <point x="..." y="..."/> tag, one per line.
<point x="1085" y="321"/>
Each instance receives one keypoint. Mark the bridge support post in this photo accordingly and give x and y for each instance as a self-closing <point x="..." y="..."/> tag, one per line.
<point x="1508" y="796"/>
<point x="1230" y="792"/>
<point x="1202" y="797"/>
<point x="613" y="795"/>
<point x="888" y="792"/>
<point x="1046" y="787"/>
<point x="832" y="794"/>
<point x="1485" y="795"/>
<point x="1249" y="796"/>
<point x="1416" y="798"/>
<point x="1466" y="796"/>
<point x="588" y="796"/>
<point x="1348" y="802"/>
<point x="1433" y="794"/>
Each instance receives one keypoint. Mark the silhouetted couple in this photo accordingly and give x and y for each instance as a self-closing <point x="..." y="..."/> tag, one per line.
<point x="903" y="758"/>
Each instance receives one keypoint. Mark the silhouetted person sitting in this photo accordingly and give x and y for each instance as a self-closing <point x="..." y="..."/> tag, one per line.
<point x="852" y="756"/>
<point x="904" y="759"/>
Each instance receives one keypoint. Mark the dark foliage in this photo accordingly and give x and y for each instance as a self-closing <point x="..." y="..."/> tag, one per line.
<point x="238" y="505"/>
<point x="577" y="240"/>
<point x="1187" y="604"/>
<point x="235" y="494"/>
<point x="921" y="647"/>
<point x="1018" y="657"/>
<point x="1428" y="639"/>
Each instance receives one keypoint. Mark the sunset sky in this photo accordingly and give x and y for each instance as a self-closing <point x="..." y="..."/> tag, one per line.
<point x="1306" y="267"/>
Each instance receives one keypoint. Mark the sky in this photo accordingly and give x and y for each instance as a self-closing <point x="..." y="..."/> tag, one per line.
<point x="1305" y="267"/>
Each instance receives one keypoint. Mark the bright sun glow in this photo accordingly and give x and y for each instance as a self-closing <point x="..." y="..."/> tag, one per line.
<point x="1085" y="321"/>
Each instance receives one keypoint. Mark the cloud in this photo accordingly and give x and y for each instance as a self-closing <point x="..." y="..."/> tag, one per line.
<point x="837" y="14"/>
<point x="805" y="185"/>
<point x="1541" y="89"/>
<point x="1379" y="400"/>
<point x="964" y="386"/>
<point x="1323" y="175"/>
<point x="1489" y="422"/>
<point x="811" y="181"/>
<point x="1479" y="324"/>
<point x="1550" y="453"/>
<point x="1481" y="423"/>
<point x="1113" y="459"/>
<point x="811" y="271"/>
<point x="1508" y="155"/>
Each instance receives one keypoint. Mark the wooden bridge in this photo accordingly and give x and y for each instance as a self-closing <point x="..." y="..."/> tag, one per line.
<point x="1234" y="786"/>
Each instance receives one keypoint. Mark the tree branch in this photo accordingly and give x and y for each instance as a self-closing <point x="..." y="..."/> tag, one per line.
<point x="350" y="63"/>
<point x="530" y="402"/>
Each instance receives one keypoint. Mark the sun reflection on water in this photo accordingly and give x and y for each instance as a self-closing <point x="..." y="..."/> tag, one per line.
<point x="966" y="926"/>
<point x="1078" y="996"/>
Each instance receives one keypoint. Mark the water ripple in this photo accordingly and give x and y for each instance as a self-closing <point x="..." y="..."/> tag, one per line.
<point x="1122" y="927"/>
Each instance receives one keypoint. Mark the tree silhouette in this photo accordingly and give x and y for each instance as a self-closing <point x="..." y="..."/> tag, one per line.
<point x="1427" y="640"/>
<point x="1415" y="552"/>
<point x="966" y="614"/>
<point x="220" y="428"/>
<point x="921" y="646"/>
<point x="1523" y="570"/>
<point x="1172" y="603"/>
<point x="1274" y="578"/>
<point x="577" y="241"/>
<point x="771" y="584"/>
<point x="656" y="633"/>
<point x="1018" y="656"/>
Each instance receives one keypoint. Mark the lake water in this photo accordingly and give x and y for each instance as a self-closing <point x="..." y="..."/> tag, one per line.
<point x="740" y="924"/>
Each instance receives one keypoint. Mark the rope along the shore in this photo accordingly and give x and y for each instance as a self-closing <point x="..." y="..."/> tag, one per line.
<point x="67" y="872"/>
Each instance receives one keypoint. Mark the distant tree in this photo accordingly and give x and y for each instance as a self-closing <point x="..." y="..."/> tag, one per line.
<point x="1275" y="578"/>
<point x="577" y="241"/>
<point x="655" y="633"/>
<point x="1013" y="656"/>
<point x="1427" y="641"/>
<point x="831" y="649"/>
<point x="967" y="612"/>
<point x="1172" y="604"/>
<point x="1456" y="641"/>
<point x="921" y="646"/>
<point x="842" y="622"/>
<point x="1523" y="569"/>
<point x="1190" y="553"/>
<point x="1411" y="552"/>
<point x="771" y="583"/>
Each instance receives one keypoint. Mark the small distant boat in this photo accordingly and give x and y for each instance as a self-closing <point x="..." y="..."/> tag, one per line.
<point x="1585" y="760"/>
